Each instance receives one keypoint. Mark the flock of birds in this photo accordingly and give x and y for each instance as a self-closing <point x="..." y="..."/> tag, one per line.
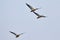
<point x="32" y="10"/>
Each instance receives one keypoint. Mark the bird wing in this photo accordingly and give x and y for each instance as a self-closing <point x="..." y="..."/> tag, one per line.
<point x="36" y="13"/>
<point x="29" y="6"/>
<point x="12" y="32"/>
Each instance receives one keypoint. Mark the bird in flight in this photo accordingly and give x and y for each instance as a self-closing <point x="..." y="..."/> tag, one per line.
<point x="17" y="35"/>
<point x="32" y="9"/>
<point x="39" y="16"/>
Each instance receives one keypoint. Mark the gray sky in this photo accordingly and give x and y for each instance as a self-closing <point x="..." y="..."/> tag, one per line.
<point x="16" y="16"/>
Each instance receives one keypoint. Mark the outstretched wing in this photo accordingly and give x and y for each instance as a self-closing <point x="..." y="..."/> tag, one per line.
<point x="29" y="6"/>
<point x="12" y="32"/>
<point x="36" y="13"/>
<point x="39" y="16"/>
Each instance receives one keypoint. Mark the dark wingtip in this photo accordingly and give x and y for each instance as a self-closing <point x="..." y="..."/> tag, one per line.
<point x="26" y="3"/>
<point x="10" y="31"/>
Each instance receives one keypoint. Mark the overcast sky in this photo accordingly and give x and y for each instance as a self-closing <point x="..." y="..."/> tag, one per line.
<point x="16" y="16"/>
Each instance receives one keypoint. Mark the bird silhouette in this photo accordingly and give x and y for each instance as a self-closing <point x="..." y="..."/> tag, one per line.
<point x="32" y="9"/>
<point x="17" y="35"/>
<point x="39" y="16"/>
